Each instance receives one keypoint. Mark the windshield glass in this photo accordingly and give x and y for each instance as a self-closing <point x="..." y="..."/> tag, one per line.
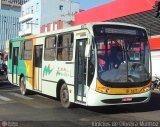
<point x="1" y="61"/>
<point x="122" y="54"/>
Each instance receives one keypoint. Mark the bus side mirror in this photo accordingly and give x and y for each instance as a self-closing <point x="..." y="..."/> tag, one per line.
<point x="87" y="51"/>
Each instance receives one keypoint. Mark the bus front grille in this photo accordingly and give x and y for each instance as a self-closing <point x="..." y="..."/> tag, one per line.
<point x="120" y="100"/>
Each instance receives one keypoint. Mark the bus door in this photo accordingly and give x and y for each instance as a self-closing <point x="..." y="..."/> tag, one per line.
<point x="15" y="65"/>
<point x="80" y="70"/>
<point x="37" y="67"/>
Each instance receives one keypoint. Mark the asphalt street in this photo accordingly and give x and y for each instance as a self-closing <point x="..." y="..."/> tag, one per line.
<point x="36" y="110"/>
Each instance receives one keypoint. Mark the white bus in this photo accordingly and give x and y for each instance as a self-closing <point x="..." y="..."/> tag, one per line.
<point x="95" y="64"/>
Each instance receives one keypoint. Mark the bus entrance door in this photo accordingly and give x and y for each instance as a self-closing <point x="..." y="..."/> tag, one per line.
<point x="80" y="71"/>
<point x="37" y="68"/>
<point x="15" y="65"/>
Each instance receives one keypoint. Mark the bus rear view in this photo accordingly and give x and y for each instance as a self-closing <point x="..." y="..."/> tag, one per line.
<point x="122" y="62"/>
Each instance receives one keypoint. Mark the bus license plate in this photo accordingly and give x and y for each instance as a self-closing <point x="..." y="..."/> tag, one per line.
<point x="126" y="99"/>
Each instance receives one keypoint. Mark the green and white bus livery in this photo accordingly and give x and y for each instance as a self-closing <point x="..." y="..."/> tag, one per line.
<point x="95" y="64"/>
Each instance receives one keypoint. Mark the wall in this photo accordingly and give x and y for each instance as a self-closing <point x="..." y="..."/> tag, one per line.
<point x="155" y="43"/>
<point x="51" y="12"/>
<point x="32" y="6"/>
<point x="155" y="56"/>
<point x="48" y="11"/>
<point x="37" y="16"/>
<point x="56" y="25"/>
<point x="14" y="8"/>
<point x="9" y="26"/>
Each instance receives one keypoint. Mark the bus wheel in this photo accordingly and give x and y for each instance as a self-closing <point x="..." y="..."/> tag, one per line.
<point x="64" y="96"/>
<point x="23" y="86"/>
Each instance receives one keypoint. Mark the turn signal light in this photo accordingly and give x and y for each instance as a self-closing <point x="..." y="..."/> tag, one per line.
<point x="101" y="88"/>
<point x="145" y="89"/>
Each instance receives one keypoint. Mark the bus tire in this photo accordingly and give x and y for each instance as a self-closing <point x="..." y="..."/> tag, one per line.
<point x="23" y="89"/>
<point x="64" y="97"/>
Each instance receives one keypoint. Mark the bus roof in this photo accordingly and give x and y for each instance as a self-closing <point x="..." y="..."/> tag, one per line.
<point x="73" y="28"/>
<point x="88" y="25"/>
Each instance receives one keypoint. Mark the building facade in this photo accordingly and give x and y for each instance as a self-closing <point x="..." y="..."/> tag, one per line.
<point x="9" y="20"/>
<point x="36" y="13"/>
<point x="52" y="26"/>
<point x="14" y="4"/>
<point x="9" y="26"/>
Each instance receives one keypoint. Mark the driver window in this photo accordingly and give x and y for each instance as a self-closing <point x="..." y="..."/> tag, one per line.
<point x="91" y="68"/>
<point x="103" y="56"/>
<point x="116" y="55"/>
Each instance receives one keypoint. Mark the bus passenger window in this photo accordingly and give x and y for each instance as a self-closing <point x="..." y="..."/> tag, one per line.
<point x="22" y="51"/>
<point x="65" y="47"/>
<point x="10" y="50"/>
<point x="28" y="50"/>
<point x="50" y="48"/>
<point x="59" y="48"/>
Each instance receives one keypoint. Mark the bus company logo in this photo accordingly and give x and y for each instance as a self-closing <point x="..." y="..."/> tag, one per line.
<point x="47" y="70"/>
<point x="62" y="72"/>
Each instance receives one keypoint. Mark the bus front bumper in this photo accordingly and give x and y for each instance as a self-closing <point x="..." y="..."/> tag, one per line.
<point x="98" y="99"/>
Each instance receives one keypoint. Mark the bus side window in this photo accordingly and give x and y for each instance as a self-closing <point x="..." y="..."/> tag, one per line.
<point x="50" y="48"/>
<point x="59" y="48"/>
<point x="65" y="47"/>
<point x="22" y="51"/>
<point x="28" y="50"/>
<point x="10" y="50"/>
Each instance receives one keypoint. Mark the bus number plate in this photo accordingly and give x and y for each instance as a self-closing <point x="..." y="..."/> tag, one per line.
<point x="131" y="91"/>
<point x="126" y="99"/>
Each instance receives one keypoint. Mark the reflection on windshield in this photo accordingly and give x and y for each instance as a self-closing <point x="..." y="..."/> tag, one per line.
<point x="122" y="58"/>
<point x="1" y="61"/>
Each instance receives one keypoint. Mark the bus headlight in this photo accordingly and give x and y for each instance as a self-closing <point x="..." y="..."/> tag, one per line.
<point x="101" y="88"/>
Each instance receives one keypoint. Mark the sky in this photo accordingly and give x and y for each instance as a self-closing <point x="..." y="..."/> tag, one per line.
<point x="87" y="4"/>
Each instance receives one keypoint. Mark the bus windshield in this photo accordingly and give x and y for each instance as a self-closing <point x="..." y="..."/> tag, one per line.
<point x="122" y="54"/>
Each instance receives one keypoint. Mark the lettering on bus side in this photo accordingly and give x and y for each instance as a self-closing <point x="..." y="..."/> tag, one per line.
<point x="62" y="72"/>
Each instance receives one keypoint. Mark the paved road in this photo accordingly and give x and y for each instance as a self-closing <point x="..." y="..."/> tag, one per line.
<point x="18" y="110"/>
